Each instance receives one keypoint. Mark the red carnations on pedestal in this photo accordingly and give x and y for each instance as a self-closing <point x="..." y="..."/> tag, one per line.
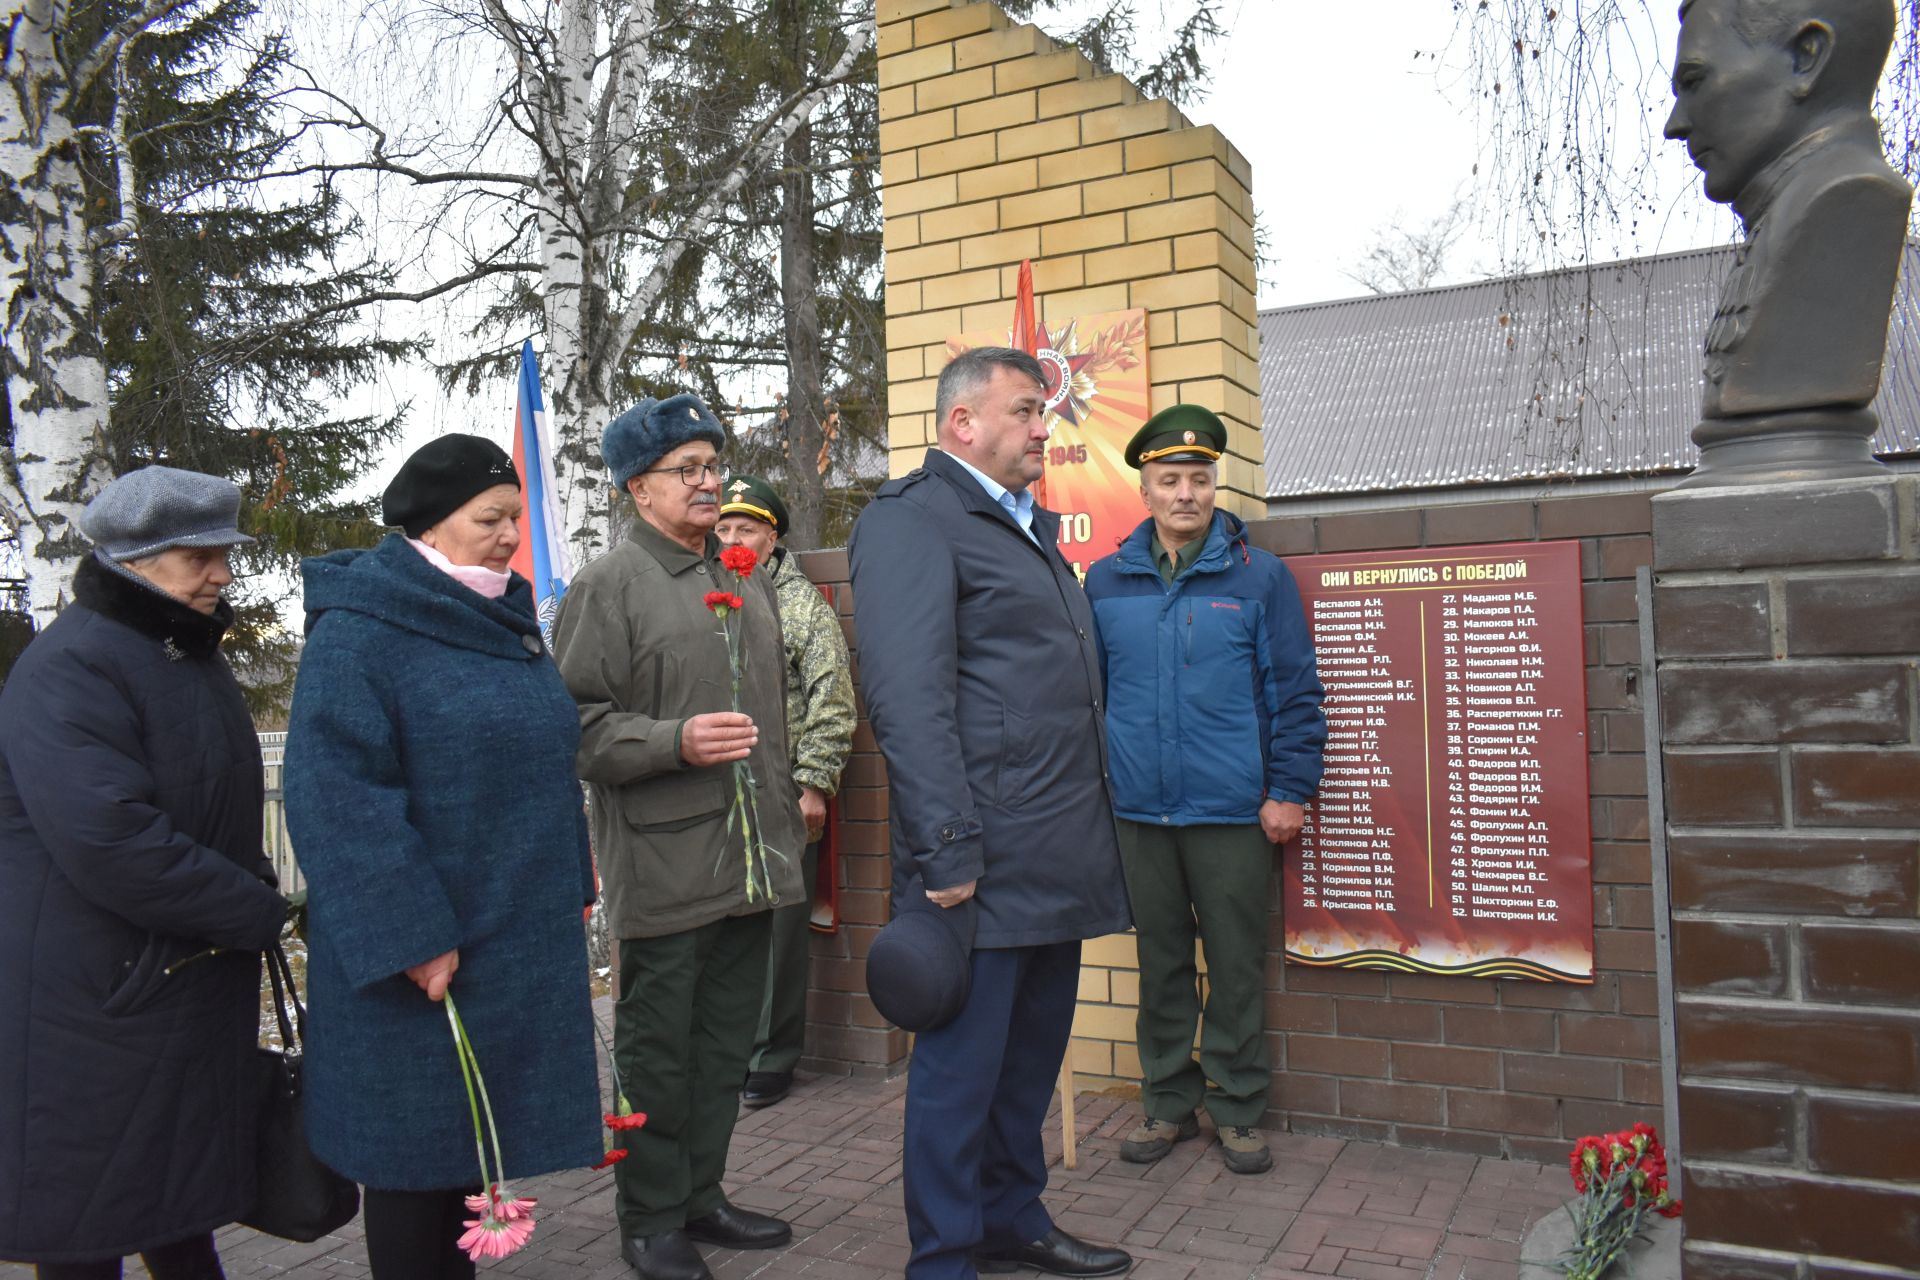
<point x="1621" y="1178"/>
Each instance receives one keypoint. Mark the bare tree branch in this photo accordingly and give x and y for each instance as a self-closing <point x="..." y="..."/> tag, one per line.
<point x="770" y="139"/>
<point x="128" y="223"/>
<point x="107" y="52"/>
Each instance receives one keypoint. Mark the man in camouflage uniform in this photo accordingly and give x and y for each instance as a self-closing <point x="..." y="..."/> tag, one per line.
<point x="820" y="719"/>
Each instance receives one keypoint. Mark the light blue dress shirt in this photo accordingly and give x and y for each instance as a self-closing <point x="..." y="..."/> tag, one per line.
<point x="1018" y="505"/>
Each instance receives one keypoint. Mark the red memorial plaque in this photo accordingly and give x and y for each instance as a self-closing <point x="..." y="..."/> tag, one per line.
<point x="1451" y="832"/>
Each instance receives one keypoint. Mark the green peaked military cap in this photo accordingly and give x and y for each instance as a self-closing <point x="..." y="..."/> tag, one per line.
<point x="1178" y="433"/>
<point x="753" y="496"/>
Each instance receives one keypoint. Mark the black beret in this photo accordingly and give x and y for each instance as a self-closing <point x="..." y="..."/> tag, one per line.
<point x="442" y="476"/>
<point x="919" y="968"/>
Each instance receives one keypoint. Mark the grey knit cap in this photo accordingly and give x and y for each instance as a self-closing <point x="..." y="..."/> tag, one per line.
<point x="144" y="512"/>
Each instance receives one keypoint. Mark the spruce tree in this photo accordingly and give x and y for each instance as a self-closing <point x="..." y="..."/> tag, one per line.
<point x="215" y="361"/>
<point x="796" y="270"/>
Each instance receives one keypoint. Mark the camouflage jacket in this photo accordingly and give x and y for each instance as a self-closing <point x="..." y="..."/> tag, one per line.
<point x="820" y="711"/>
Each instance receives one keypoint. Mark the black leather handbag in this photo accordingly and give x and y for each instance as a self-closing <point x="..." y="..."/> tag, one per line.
<point x="299" y="1198"/>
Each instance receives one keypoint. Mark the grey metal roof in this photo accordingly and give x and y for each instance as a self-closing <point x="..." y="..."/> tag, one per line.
<point x="1556" y="376"/>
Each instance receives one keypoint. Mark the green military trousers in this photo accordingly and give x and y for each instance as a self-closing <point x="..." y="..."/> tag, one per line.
<point x="1209" y="880"/>
<point x="783" y="1015"/>
<point x="682" y="1030"/>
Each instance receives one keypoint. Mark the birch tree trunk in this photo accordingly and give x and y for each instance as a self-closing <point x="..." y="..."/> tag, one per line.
<point x="799" y="286"/>
<point x="57" y="400"/>
<point x="806" y="400"/>
<point x="598" y="230"/>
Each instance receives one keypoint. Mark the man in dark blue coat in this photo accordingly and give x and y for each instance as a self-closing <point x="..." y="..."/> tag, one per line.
<point x="1214" y="717"/>
<point x="982" y="683"/>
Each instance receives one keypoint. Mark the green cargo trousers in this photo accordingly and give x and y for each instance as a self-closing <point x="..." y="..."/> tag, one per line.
<point x="782" y="1037"/>
<point x="1209" y="880"/>
<point x="682" y="1030"/>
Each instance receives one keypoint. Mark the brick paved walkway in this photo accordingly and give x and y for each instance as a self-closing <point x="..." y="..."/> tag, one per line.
<point x="828" y="1158"/>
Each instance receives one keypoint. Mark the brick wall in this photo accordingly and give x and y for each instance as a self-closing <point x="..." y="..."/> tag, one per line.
<point x="1787" y="623"/>
<point x="845" y="1035"/>
<point x="998" y="145"/>
<point x="1503" y="1066"/>
<point x="1487" y="1066"/>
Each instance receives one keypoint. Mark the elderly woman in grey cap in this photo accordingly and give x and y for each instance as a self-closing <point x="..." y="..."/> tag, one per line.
<point x="137" y="901"/>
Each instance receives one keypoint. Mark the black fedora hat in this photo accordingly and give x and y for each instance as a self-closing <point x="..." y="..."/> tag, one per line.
<point x="918" y="969"/>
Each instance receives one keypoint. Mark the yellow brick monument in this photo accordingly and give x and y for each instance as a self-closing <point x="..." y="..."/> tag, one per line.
<point x="998" y="145"/>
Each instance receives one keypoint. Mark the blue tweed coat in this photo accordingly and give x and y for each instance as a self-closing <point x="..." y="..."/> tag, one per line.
<point x="432" y="803"/>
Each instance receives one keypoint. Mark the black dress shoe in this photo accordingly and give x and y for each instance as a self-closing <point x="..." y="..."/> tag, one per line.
<point x="738" y="1228"/>
<point x="764" y="1088"/>
<point x="1057" y="1254"/>
<point x="666" y="1256"/>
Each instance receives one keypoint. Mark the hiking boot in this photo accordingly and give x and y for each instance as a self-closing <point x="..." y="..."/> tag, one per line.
<point x="1245" y="1150"/>
<point x="1154" y="1138"/>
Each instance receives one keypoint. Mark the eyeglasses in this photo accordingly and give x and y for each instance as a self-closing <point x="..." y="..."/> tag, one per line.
<point x="696" y="474"/>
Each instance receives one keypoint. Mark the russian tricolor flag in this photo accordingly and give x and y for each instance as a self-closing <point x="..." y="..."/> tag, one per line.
<point x="542" y="556"/>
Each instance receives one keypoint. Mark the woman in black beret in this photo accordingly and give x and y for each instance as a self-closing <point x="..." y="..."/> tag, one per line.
<point x="432" y="801"/>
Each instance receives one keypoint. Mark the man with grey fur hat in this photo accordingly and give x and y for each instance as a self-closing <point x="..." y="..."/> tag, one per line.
<point x="644" y="657"/>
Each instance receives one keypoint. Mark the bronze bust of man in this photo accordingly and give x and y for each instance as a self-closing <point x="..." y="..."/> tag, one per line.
<point x="1774" y="101"/>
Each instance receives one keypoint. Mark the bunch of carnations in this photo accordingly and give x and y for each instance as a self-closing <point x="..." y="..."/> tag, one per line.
<point x="744" y="813"/>
<point x="506" y="1220"/>
<point x="1621" y="1178"/>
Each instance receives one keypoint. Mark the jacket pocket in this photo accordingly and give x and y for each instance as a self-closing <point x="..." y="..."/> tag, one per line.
<point x="673" y="803"/>
<point x="142" y="980"/>
<point x="1016" y="769"/>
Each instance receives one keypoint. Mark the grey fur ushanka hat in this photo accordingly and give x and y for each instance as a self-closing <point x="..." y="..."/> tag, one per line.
<point x="650" y="430"/>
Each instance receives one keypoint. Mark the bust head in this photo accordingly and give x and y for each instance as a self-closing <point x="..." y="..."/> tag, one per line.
<point x="1753" y="77"/>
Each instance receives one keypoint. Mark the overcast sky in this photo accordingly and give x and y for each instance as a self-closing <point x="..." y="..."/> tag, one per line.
<point x="1347" y="132"/>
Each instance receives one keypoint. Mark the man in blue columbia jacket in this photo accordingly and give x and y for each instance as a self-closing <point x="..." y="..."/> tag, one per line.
<point x="1215" y="736"/>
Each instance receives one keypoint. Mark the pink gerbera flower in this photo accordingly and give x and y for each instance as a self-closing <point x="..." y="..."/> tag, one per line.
<point x="491" y="1237"/>
<point x="502" y="1204"/>
<point x="505" y="1220"/>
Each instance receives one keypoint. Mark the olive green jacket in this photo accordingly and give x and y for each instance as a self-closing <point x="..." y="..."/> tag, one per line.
<point x="641" y="653"/>
<point x="819" y="682"/>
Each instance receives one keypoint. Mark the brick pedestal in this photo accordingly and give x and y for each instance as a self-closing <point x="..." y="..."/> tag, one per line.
<point x="1787" y="629"/>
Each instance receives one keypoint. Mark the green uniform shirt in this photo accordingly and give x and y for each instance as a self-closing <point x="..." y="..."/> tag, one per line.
<point x="1172" y="567"/>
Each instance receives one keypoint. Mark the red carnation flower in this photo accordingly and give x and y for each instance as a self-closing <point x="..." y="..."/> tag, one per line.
<point x="1622" y="1177"/>
<point x="739" y="559"/>
<point x="721" y="601"/>
<point x="617" y="1122"/>
<point x="610" y="1159"/>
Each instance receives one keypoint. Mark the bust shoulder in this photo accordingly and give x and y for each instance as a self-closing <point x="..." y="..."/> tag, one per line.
<point x="1847" y="182"/>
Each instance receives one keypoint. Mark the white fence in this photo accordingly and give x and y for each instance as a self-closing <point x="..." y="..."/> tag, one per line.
<point x="273" y="832"/>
